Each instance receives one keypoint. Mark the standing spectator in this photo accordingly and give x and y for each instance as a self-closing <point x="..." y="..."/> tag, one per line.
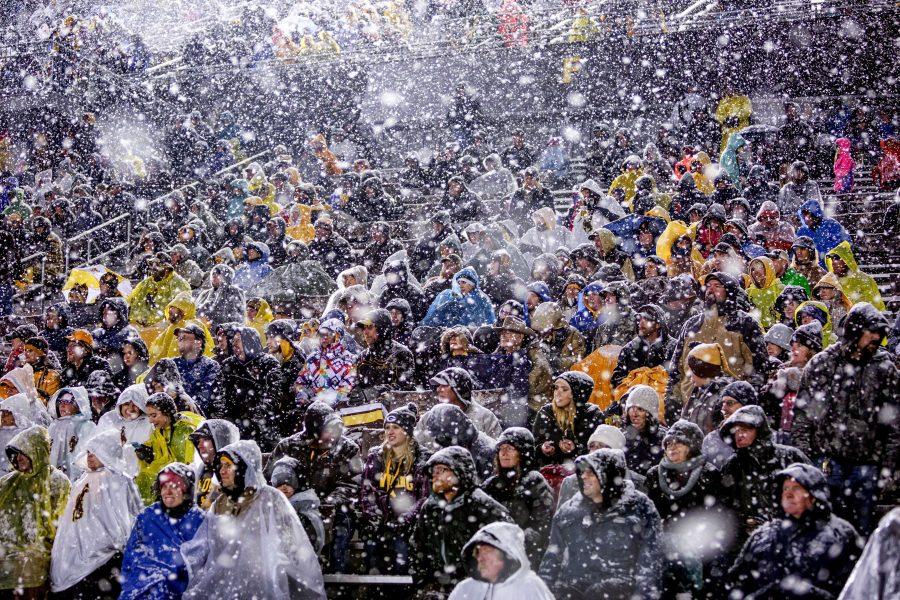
<point x="825" y="232"/>
<point x="840" y="415"/>
<point x="330" y="370"/>
<point x="200" y="374"/>
<point x="799" y="190"/>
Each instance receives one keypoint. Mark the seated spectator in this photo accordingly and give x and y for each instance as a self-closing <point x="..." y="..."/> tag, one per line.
<point x="561" y="344"/>
<point x="562" y="427"/>
<point x="806" y="259"/>
<point x="825" y="233"/>
<point x="521" y="490"/>
<point x="222" y="302"/>
<point x="649" y="349"/>
<point x="180" y="312"/>
<point x="151" y="296"/>
<point x="285" y="478"/>
<point x="447" y="425"/>
<point x="604" y="541"/>
<point x="643" y="431"/>
<point x="463" y="304"/>
<point x="111" y="336"/>
<point x="80" y="359"/>
<point x="764" y="290"/>
<point x="858" y="286"/>
<point x="710" y="373"/>
<point x="456" y="509"/>
<point x="200" y="375"/>
<point x="497" y="563"/>
<point x="778" y="234"/>
<point x="330" y="370"/>
<point x="529" y="372"/>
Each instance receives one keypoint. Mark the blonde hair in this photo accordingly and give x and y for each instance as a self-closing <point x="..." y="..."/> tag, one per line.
<point x="565" y="416"/>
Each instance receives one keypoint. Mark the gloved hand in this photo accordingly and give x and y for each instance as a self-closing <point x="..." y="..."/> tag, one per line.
<point x="144" y="453"/>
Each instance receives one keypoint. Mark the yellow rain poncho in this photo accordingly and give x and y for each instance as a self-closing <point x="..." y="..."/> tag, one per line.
<point x="263" y="317"/>
<point x="764" y="297"/>
<point x="166" y="344"/>
<point x="90" y="276"/>
<point x="626" y="182"/>
<point x="858" y="286"/>
<point x="30" y="506"/>
<point x="170" y="445"/>
<point x="600" y="365"/>
<point x="828" y="336"/>
<point x="733" y="114"/>
<point x="149" y="299"/>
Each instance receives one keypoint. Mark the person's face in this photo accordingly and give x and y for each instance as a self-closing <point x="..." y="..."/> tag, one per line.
<point x="227" y="472"/>
<point x="795" y="499"/>
<point x="465" y="286"/>
<point x="572" y="292"/>
<point x="454" y="188"/>
<point x="93" y="463"/>
<point x="802" y="254"/>
<point x="789" y="308"/>
<point x="129" y="356"/>
<point x="773" y="350"/>
<point x="129" y="411"/>
<point x="511" y="340"/>
<point x="172" y="494"/>
<point x="349" y="280"/>
<point x="715" y="291"/>
<point x="800" y="354"/>
<point x="157" y="418"/>
<point x="396" y="317"/>
<point x="491" y="562"/>
<point x="187" y="343"/>
<point x="74" y="351"/>
<point x="446" y="394"/>
<point x="729" y="406"/>
<point x="590" y="485"/>
<point x="31" y="355"/>
<point x="744" y="435"/>
<point x="52" y="320"/>
<point x="175" y="315"/>
<point x="370" y="334"/>
<point x="647" y="328"/>
<point x="494" y="268"/>
<point x="839" y="266"/>
<point x="237" y="346"/>
<point x="593" y="300"/>
<point x="216" y="279"/>
<point x="457" y="343"/>
<point x="869" y="342"/>
<point x="327" y="338"/>
<point x="507" y="456"/>
<point x="562" y="393"/>
<point x="286" y="489"/>
<point x="768" y="219"/>
<point x="23" y="463"/>
<point x="651" y="269"/>
<point x="7" y="419"/>
<point x="253" y="254"/>
<point x="379" y="236"/>
<point x="207" y="450"/>
<point x="826" y="293"/>
<point x="695" y="217"/>
<point x="443" y="479"/>
<point x="758" y="274"/>
<point x="395" y="436"/>
<point x="677" y="452"/>
<point x="323" y="231"/>
<point x="637" y="417"/>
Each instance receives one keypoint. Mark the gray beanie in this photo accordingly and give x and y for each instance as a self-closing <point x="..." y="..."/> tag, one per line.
<point x="645" y="397"/>
<point x="780" y="335"/>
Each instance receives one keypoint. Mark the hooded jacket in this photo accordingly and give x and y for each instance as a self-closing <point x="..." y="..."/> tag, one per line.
<point x="616" y="326"/>
<point x="443" y="528"/>
<point x="748" y="477"/>
<point x="19" y="407"/>
<point x="252" y="272"/>
<point x="446" y="425"/>
<point x="814" y="553"/>
<point x="523" y="491"/>
<point x="827" y="234"/>
<point x="399" y="283"/>
<point x="858" y="286"/>
<point x="224" y="304"/>
<point x="451" y="308"/>
<point x="108" y="341"/>
<point x="304" y="501"/>
<point x="30" y="506"/>
<point x="877" y="572"/>
<point x="638" y="353"/>
<point x="733" y="329"/>
<point x="845" y="409"/>
<point x="250" y="391"/>
<point x="811" y="269"/>
<point x="333" y="472"/>
<point x="587" y="417"/>
<point x="386" y="364"/>
<point x="166" y="344"/>
<point x="173" y="444"/>
<point x="613" y="549"/>
<point x="136" y="431"/>
<point x="517" y="581"/>
<point x="222" y="433"/>
<point x="329" y="373"/>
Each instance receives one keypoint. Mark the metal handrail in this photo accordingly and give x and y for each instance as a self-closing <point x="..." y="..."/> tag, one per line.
<point x="83" y="234"/>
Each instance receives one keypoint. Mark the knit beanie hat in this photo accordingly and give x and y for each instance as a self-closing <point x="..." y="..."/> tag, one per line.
<point x="609" y="436"/>
<point x="404" y="417"/>
<point x="644" y="397"/>
<point x="780" y="335"/>
<point x="810" y="335"/>
<point x="708" y="361"/>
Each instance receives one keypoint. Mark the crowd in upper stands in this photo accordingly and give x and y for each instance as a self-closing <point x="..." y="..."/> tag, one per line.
<point x="680" y="382"/>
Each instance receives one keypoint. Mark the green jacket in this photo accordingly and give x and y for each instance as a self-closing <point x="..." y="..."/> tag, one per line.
<point x="792" y="277"/>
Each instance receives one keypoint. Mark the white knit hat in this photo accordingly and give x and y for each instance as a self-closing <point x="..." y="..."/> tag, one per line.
<point x="645" y="397"/>
<point x="609" y="436"/>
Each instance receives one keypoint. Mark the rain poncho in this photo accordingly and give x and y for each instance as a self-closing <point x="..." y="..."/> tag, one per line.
<point x="822" y="314"/>
<point x="152" y="567"/>
<point x="19" y="408"/>
<point x="30" y="504"/>
<point x="546" y="235"/>
<point x="520" y="580"/>
<point x="22" y="378"/>
<point x="733" y="114"/>
<point x="253" y="272"/>
<point x="224" y="304"/>
<point x="764" y="297"/>
<point x="263" y="317"/>
<point x="877" y="573"/>
<point x="306" y="278"/>
<point x="99" y="515"/>
<point x="360" y="276"/>
<point x="170" y="445"/>
<point x="149" y="299"/>
<point x="166" y="344"/>
<point x="729" y="158"/>
<point x="585" y="320"/>
<point x="858" y="286"/>
<point x="254" y="547"/>
<point x="68" y="434"/>
<point x="843" y="166"/>
<point x="136" y="431"/>
<point x="451" y="308"/>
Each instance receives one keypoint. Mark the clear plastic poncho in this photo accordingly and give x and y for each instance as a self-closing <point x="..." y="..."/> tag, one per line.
<point x="257" y="550"/>
<point x="136" y="431"/>
<point x="68" y="434"/>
